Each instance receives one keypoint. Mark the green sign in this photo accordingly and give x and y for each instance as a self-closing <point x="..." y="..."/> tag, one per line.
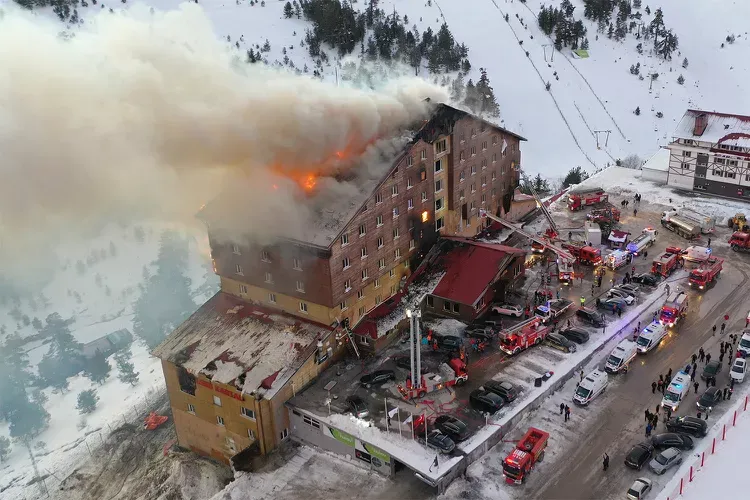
<point x="376" y="452"/>
<point x="342" y="436"/>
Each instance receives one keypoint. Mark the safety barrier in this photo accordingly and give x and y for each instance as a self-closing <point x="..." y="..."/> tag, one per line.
<point x="690" y="470"/>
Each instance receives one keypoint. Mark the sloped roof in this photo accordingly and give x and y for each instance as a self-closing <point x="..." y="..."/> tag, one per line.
<point x="720" y="127"/>
<point x="618" y="236"/>
<point x="236" y="342"/>
<point x="470" y="267"/>
<point x="659" y="161"/>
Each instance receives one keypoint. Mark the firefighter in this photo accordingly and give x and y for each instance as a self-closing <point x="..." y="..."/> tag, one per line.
<point x="583" y="301"/>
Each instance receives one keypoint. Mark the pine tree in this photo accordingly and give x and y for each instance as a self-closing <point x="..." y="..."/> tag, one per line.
<point x="127" y="374"/>
<point x="487" y="102"/>
<point x="575" y="176"/>
<point x="585" y="44"/>
<point x="87" y="401"/>
<point x="4" y="448"/>
<point x="457" y="88"/>
<point x="97" y="368"/>
<point x="639" y="48"/>
<point x="656" y="27"/>
<point x="471" y="99"/>
<point x="610" y="30"/>
<point x="637" y="111"/>
<point x="636" y="4"/>
<point x="288" y="10"/>
<point x="685" y="63"/>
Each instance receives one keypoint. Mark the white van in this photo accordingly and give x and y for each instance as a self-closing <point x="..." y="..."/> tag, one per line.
<point x="621" y="356"/>
<point x="677" y="390"/>
<point x="744" y="347"/>
<point x="651" y="336"/>
<point x="590" y="387"/>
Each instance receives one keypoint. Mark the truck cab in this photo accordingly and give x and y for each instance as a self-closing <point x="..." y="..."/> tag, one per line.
<point x="528" y="451"/>
<point x="620" y="357"/>
<point x="674" y="308"/>
<point x="590" y="387"/>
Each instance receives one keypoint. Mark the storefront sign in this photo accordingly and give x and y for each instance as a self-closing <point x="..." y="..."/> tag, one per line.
<point x="205" y="383"/>
<point x="342" y="436"/>
<point x="220" y="390"/>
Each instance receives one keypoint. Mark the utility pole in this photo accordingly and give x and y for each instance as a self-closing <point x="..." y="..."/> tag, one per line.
<point x="606" y="139"/>
<point x="544" y="49"/>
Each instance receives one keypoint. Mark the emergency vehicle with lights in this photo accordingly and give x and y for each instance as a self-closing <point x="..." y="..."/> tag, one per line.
<point x="666" y="262"/>
<point x="449" y="374"/>
<point x="524" y="335"/>
<point x="581" y="197"/>
<point x="586" y="255"/>
<point x="702" y="277"/>
<point x="674" y="308"/>
<point x="617" y="258"/>
<point x="678" y="388"/>
<point x="528" y="451"/>
<point x="645" y="240"/>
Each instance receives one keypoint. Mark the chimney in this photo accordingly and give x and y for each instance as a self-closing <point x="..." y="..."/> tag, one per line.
<point x="701" y="121"/>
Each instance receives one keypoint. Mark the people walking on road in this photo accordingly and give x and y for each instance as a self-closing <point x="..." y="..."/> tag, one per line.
<point x="731" y="352"/>
<point x="592" y="289"/>
<point x="633" y="269"/>
<point x="708" y="358"/>
<point x="567" y="413"/>
<point x="666" y="287"/>
<point x="669" y="376"/>
<point x="660" y="386"/>
<point x="581" y="374"/>
<point x="668" y="414"/>
<point x="709" y="243"/>
<point x="656" y="410"/>
<point x="714" y="329"/>
<point x="687" y="368"/>
<point x="635" y="212"/>
<point x="708" y="412"/>
<point x="698" y="415"/>
<point x="696" y="385"/>
<point x="729" y="394"/>
<point x="647" y="415"/>
<point x="648" y="429"/>
<point x="654" y="421"/>
<point x="562" y="408"/>
<point x="653" y="388"/>
<point x="605" y="462"/>
<point x="583" y="301"/>
<point x="731" y="383"/>
<point x="701" y="354"/>
<point x="619" y="312"/>
<point x="695" y="358"/>
<point x="721" y="357"/>
<point x="723" y="326"/>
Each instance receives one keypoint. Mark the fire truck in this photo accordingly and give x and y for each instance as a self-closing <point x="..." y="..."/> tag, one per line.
<point x="674" y="308"/>
<point x="740" y="242"/>
<point x="665" y="263"/>
<point x="585" y="254"/>
<point x="646" y="239"/>
<point x="705" y="275"/>
<point x="524" y="335"/>
<point x="581" y="197"/>
<point x="608" y="215"/>
<point x="449" y="374"/>
<point x="528" y="451"/>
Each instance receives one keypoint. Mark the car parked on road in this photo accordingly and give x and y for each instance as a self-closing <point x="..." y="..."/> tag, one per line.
<point x="508" y="310"/>
<point x="645" y="279"/>
<point x="456" y="429"/>
<point x="711" y="369"/>
<point x="502" y="388"/>
<point x="709" y="399"/>
<point x="405" y="363"/>
<point x="665" y="460"/>
<point x="577" y="335"/>
<point x="450" y="342"/>
<point x="611" y="304"/>
<point x="630" y="288"/>
<point x="696" y="427"/>
<point x="439" y="441"/>
<point x="639" y="489"/>
<point x="557" y="341"/>
<point x="591" y="317"/>
<point x="621" y="294"/>
<point x="377" y="377"/>
<point x="639" y="455"/>
<point x="357" y="406"/>
<point x="485" y="401"/>
<point x="672" y="440"/>
<point x="483" y="334"/>
<point x="739" y="368"/>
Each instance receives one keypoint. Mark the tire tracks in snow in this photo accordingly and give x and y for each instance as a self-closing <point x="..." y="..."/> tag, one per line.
<point x="551" y="94"/>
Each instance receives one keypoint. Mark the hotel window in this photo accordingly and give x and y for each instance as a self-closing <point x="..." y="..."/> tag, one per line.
<point x="423" y="154"/>
<point x="191" y="408"/>
<point x="296" y="264"/>
<point x="461" y="176"/>
<point x="391" y="273"/>
<point x="412" y="245"/>
<point x="238" y="270"/>
<point x="473" y="151"/>
<point x="438" y="186"/>
<point x="409" y="161"/>
<point x="397" y="253"/>
<point x="462" y="137"/>
<point x="272" y="298"/>
<point x="217" y="400"/>
<point x="439" y="224"/>
<point x="484" y="163"/>
<point x="264" y="256"/>
<point x="484" y="145"/>
<point x="303" y="307"/>
<point x="376" y="283"/>
<point x="473" y="170"/>
<point x="395" y="212"/>
<point x="363" y="252"/>
<point x="381" y="263"/>
<point x="484" y="199"/>
<point x="344" y="240"/>
<point x="440" y="146"/>
<point x="247" y="412"/>
<point x="687" y="154"/>
<point x="473" y="133"/>
<point x="345" y="263"/>
<point x="461" y="194"/>
<point x="395" y="233"/>
<point x="462" y="155"/>
<point x="493" y="192"/>
<point x="438" y="204"/>
<point x="378" y="198"/>
<point x="364" y="274"/>
<point x="380" y="242"/>
<point x="394" y="288"/>
<point x="424" y="196"/>
<point x="447" y="306"/>
<point x="268" y="278"/>
<point x="409" y="183"/>
<point x="410" y="203"/>
<point x="422" y="174"/>
<point x="473" y="187"/>
<point x="494" y="140"/>
<point x="504" y="152"/>
<point x="484" y="180"/>
<point x="394" y="190"/>
<point x="220" y="420"/>
<point x="300" y="285"/>
<point x="343" y="305"/>
<point x="360" y="295"/>
<point x="347" y="285"/>
<point x="494" y="175"/>
<point x="362" y="230"/>
<point x="393" y="174"/>
<point x="438" y="166"/>
<point x="379" y="221"/>
<point x="243" y="288"/>
<point x="378" y="299"/>
<point x="363" y="339"/>
<point x="251" y="434"/>
<point x="236" y="249"/>
<point x="494" y="157"/>
<point x="430" y="301"/>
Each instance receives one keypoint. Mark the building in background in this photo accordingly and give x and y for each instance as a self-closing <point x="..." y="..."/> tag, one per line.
<point x="655" y="169"/>
<point x="710" y="153"/>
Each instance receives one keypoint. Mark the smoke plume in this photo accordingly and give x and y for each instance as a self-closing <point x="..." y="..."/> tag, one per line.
<point x="147" y="114"/>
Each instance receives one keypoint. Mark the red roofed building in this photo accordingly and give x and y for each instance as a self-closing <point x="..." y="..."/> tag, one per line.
<point x="476" y="275"/>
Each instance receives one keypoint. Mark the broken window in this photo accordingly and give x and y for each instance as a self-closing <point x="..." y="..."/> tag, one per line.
<point x="186" y="381"/>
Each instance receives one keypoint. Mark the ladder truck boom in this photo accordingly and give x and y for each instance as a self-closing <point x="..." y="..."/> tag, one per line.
<point x="553" y="231"/>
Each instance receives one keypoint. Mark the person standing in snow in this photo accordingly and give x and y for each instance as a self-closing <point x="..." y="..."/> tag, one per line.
<point x="647" y="414"/>
<point x="653" y="388"/>
<point x="696" y="385"/>
<point x="605" y="462"/>
<point x="659" y="385"/>
<point x="708" y="358"/>
<point x="562" y="408"/>
<point x="567" y="413"/>
<point x="581" y="374"/>
<point x="701" y="354"/>
<point x="723" y="326"/>
<point x="648" y="429"/>
<point x="695" y="358"/>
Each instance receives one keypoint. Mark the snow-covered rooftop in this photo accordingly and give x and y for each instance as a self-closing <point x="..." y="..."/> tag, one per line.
<point x="228" y="337"/>
<point x="719" y="126"/>
<point x="659" y="161"/>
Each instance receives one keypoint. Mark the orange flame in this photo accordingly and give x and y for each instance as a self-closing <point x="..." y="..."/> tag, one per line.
<point x="310" y="181"/>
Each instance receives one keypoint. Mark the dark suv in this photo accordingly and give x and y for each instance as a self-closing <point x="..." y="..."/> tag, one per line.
<point x="590" y="316"/>
<point x="672" y="440"/>
<point x="449" y="341"/>
<point x="357" y="406"/>
<point x="377" y="377"/>
<point x="577" y="335"/>
<point x="504" y="389"/>
<point x="689" y="425"/>
<point x="485" y="401"/>
<point x="449" y="425"/>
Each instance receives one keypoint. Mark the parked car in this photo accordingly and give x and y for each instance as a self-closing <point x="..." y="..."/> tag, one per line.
<point x="357" y="406"/>
<point x="405" y="363"/>
<point x="485" y="401"/>
<point x="591" y="317"/>
<point x="665" y="460"/>
<point x="377" y="377"/>
<point x="672" y="440"/>
<point x="619" y="293"/>
<point x="557" y="341"/>
<point x="639" y="489"/>
<point x="577" y="335"/>
<point x="709" y="399"/>
<point x="440" y="442"/>
<point x="456" y="429"/>
<point x="508" y="310"/>
<point x="711" y="369"/>
<point x="484" y="334"/>
<point x="504" y="389"/>
<point x="739" y="368"/>
<point x="696" y="427"/>
<point x="646" y="279"/>
<point x="611" y="304"/>
<point x="639" y="455"/>
<point x="629" y="287"/>
<point x="449" y="341"/>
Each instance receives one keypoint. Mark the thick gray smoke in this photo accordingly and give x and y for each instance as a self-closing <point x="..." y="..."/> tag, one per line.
<point x="144" y="114"/>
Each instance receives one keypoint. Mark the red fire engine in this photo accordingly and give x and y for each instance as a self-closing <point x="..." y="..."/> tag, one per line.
<point x="524" y="335"/>
<point x="582" y="197"/>
<point x="609" y="215"/>
<point x="452" y="373"/>
<point x="706" y="274"/>
<point x="674" y="308"/>
<point x="528" y="451"/>
<point x="665" y="263"/>
<point x="740" y="241"/>
<point x="586" y="255"/>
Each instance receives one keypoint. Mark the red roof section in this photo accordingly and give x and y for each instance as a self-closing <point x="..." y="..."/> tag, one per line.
<point x="470" y="269"/>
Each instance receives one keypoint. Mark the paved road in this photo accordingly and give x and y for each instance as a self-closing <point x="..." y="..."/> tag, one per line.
<point x="621" y="424"/>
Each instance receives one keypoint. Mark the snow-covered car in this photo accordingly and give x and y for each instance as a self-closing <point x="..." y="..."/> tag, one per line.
<point x="739" y="368"/>
<point x="639" y="489"/>
<point x="621" y="294"/>
<point x="439" y="441"/>
<point x="508" y="310"/>
<point x="629" y="287"/>
<point x="665" y="460"/>
<point x="646" y="279"/>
